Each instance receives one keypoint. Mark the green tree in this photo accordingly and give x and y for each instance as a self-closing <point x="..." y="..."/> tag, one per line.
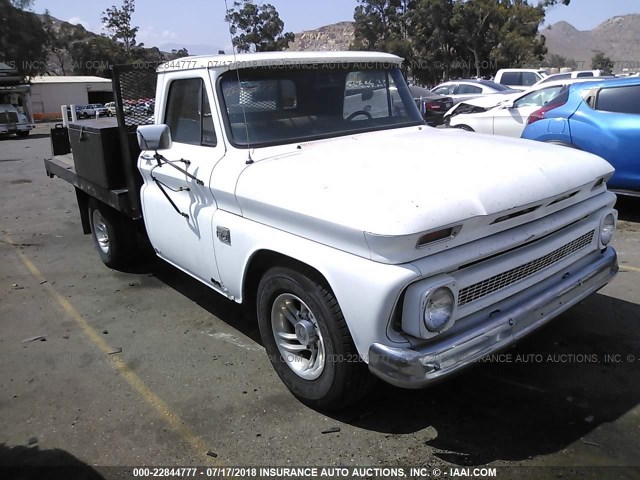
<point x="433" y="40"/>
<point x="118" y="22"/>
<point x="381" y="22"/>
<point x="558" y="61"/>
<point x="257" y="27"/>
<point x="385" y="25"/>
<point x="58" y="38"/>
<point x="96" y="56"/>
<point x="22" y="4"/>
<point x="551" y="3"/>
<point x="601" y="62"/>
<point x="140" y="54"/>
<point x="518" y="43"/>
<point x="443" y="38"/>
<point x="477" y="25"/>
<point x="22" y="38"/>
<point x="175" y="54"/>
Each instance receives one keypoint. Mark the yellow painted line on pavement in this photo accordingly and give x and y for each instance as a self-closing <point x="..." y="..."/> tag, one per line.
<point x="150" y="397"/>
<point x="630" y="268"/>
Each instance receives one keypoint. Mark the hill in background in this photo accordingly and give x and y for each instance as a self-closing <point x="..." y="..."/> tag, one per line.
<point x="618" y="38"/>
<point x="337" y="36"/>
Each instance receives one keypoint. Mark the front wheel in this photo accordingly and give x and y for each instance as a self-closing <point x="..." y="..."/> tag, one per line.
<point x="24" y="133"/>
<point x="113" y="236"/>
<point x="308" y="341"/>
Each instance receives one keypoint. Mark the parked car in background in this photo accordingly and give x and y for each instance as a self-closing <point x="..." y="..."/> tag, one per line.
<point x="572" y="75"/>
<point x="460" y="90"/>
<point x="111" y="108"/>
<point x="519" y="78"/>
<point x="509" y="115"/>
<point x="432" y="106"/>
<point x="94" y="109"/>
<point x="481" y="104"/>
<point x="78" y="110"/>
<point x="601" y="118"/>
<point x="15" y="108"/>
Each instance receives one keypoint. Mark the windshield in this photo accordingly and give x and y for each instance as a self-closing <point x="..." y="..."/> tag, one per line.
<point x="308" y="102"/>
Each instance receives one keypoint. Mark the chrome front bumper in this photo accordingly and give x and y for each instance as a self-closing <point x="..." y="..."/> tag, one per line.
<point x="417" y="368"/>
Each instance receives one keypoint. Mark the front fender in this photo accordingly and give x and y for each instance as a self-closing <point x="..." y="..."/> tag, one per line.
<point x="367" y="291"/>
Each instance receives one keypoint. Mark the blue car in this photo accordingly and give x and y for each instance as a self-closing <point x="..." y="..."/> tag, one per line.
<point x="601" y="117"/>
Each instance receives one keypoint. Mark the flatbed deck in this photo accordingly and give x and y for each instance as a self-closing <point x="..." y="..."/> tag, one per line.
<point x="61" y="166"/>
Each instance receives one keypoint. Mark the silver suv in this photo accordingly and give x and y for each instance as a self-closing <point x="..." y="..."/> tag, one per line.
<point x="93" y="109"/>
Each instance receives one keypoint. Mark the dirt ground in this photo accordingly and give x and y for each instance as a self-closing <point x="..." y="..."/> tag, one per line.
<point x="150" y="367"/>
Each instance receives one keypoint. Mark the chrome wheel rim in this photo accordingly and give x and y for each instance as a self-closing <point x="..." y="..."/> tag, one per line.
<point x="297" y="336"/>
<point x="100" y="231"/>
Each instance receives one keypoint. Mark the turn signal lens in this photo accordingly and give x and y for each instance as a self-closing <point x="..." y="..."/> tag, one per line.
<point x="438" y="235"/>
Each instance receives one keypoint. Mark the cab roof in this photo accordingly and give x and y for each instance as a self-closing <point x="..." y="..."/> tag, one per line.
<point x="276" y="59"/>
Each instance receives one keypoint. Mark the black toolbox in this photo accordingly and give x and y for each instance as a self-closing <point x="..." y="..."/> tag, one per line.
<point x="97" y="155"/>
<point x="60" y="140"/>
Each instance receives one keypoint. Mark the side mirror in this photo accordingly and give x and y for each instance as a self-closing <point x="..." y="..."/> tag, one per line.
<point x="154" y="137"/>
<point x="508" y="104"/>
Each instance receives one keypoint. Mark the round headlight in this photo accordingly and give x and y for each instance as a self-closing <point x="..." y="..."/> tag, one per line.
<point x="438" y="309"/>
<point x="607" y="228"/>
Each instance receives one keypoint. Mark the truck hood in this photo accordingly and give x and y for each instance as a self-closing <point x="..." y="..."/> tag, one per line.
<point x="402" y="182"/>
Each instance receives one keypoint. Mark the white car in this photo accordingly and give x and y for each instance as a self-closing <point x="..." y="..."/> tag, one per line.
<point x="460" y="90"/>
<point x="507" y="114"/>
<point x="586" y="74"/>
<point x="519" y="78"/>
<point x="111" y="108"/>
<point x="93" y="109"/>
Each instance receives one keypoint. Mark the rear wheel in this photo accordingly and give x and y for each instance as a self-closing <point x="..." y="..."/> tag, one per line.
<point x="24" y="133"/>
<point x="308" y="341"/>
<point x="113" y="235"/>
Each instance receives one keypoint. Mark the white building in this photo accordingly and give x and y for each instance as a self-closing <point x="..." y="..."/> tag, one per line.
<point x="50" y="92"/>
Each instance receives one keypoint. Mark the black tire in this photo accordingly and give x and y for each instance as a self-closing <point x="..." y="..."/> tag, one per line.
<point x="23" y="134"/>
<point x="345" y="378"/>
<point x="466" y="128"/>
<point x="120" y="248"/>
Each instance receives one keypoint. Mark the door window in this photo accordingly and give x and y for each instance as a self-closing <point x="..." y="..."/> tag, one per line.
<point x="620" y="100"/>
<point x="466" y="89"/>
<point x="445" y="90"/>
<point x="511" y="78"/>
<point x="529" y="78"/>
<point x="188" y="113"/>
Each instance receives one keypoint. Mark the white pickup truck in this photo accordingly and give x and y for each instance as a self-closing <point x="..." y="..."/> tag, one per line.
<point x="15" y="110"/>
<point x="308" y="186"/>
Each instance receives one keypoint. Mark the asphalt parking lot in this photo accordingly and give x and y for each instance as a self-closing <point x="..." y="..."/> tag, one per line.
<point x="150" y="367"/>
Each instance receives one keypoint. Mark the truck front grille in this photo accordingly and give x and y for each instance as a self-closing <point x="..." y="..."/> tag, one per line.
<point x="504" y="279"/>
<point x="8" y="117"/>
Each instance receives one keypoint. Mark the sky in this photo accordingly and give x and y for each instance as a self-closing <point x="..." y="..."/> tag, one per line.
<point x="200" y="23"/>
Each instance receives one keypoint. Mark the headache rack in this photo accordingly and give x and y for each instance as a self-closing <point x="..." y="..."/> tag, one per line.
<point x="110" y="174"/>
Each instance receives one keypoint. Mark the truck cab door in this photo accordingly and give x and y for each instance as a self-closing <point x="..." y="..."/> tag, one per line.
<point x="178" y="207"/>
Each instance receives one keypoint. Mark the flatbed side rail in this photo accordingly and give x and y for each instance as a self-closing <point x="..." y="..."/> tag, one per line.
<point x="117" y="199"/>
